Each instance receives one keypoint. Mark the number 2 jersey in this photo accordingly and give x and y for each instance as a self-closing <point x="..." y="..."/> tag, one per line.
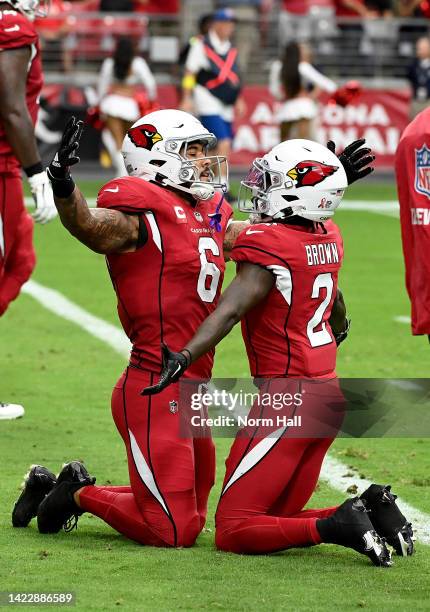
<point x="167" y="287"/>
<point x="288" y="333"/>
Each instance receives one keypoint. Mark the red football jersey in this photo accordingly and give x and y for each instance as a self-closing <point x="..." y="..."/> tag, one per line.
<point x="18" y="31"/>
<point x="168" y="287"/>
<point x="288" y="333"/>
<point x="413" y="186"/>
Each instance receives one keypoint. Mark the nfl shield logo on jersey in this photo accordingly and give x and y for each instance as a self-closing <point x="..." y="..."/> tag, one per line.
<point x="198" y="216"/>
<point x="173" y="407"/>
<point x="422" y="170"/>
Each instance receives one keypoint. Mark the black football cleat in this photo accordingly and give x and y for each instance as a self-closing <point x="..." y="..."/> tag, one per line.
<point x="38" y="482"/>
<point x="387" y="518"/>
<point x="59" y="509"/>
<point x="350" y="526"/>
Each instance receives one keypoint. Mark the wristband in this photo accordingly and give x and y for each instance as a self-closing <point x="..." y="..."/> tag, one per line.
<point x="188" y="82"/>
<point x="61" y="187"/>
<point x="34" y="169"/>
<point x="188" y="357"/>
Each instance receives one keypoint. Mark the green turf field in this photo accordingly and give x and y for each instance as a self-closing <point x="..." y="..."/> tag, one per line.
<point x="64" y="377"/>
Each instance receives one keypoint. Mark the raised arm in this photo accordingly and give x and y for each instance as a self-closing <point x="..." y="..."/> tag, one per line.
<point x="101" y="229"/>
<point x="250" y="286"/>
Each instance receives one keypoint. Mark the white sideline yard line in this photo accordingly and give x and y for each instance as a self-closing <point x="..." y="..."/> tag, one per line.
<point x="403" y="319"/>
<point x="333" y="471"/>
<point x="58" y="304"/>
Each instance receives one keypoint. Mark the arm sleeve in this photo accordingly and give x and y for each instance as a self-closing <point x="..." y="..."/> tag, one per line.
<point x="145" y="76"/>
<point x="20" y="263"/>
<point x="275" y="86"/>
<point x="405" y="212"/>
<point x="415" y="228"/>
<point x="105" y="79"/>
<point x="314" y="76"/>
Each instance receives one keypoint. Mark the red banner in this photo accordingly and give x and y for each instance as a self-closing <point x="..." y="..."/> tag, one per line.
<point x="379" y="115"/>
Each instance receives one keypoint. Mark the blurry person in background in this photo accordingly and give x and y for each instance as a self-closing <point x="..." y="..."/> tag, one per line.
<point x="296" y="84"/>
<point x="412" y="167"/>
<point x="419" y="76"/>
<point x="126" y="91"/>
<point x="247" y="33"/>
<point x="294" y="22"/>
<point x="21" y="82"/>
<point x="410" y="29"/>
<point x="204" y="23"/>
<point x="211" y="85"/>
<point x="53" y="31"/>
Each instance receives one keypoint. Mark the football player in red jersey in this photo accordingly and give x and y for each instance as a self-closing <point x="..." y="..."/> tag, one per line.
<point x="412" y="168"/>
<point x="163" y="230"/>
<point x="20" y="86"/>
<point x="286" y="294"/>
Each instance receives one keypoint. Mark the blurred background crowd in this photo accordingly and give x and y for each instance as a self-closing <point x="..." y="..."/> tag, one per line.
<point x="93" y="49"/>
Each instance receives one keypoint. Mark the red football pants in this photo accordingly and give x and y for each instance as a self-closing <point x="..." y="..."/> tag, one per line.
<point x="17" y="257"/>
<point x="271" y="474"/>
<point x="170" y="476"/>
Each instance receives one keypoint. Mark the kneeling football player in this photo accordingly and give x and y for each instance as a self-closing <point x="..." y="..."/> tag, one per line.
<point x="163" y="230"/>
<point x="293" y="317"/>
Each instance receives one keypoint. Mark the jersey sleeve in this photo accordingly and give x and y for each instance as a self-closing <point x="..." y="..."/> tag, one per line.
<point x="16" y="31"/>
<point x="255" y="245"/>
<point x="126" y="195"/>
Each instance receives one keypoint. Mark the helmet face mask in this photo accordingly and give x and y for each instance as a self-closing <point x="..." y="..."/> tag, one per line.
<point x="297" y="177"/>
<point x="156" y="149"/>
<point x="254" y="190"/>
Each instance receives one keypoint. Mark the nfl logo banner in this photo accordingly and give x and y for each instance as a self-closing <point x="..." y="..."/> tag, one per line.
<point x="422" y="170"/>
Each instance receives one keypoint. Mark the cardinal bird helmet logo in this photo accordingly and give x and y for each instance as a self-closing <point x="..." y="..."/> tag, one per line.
<point x="144" y="136"/>
<point x="308" y="173"/>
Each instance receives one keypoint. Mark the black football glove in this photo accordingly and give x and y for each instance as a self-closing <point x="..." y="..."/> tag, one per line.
<point x="174" y="365"/>
<point x="355" y="159"/>
<point x="341" y="336"/>
<point x="66" y="154"/>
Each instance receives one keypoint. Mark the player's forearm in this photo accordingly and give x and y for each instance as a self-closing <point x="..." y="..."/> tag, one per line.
<point x="19" y="131"/>
<point x="75" y="215"/>
<point x="101" y="230"/>
<point x="249" y="287"/>
<point x="78" y="220"/>
<point x="212" y="331"/>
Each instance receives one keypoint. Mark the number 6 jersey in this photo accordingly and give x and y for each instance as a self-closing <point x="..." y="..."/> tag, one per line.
<point x="288" y="333"/>
<point x="167" y="287"/>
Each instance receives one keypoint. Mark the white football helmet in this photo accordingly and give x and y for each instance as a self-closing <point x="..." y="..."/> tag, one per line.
<point x="155" y="149"/>
<point x="31" y="8"/>
<point x="297" y="177"/>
